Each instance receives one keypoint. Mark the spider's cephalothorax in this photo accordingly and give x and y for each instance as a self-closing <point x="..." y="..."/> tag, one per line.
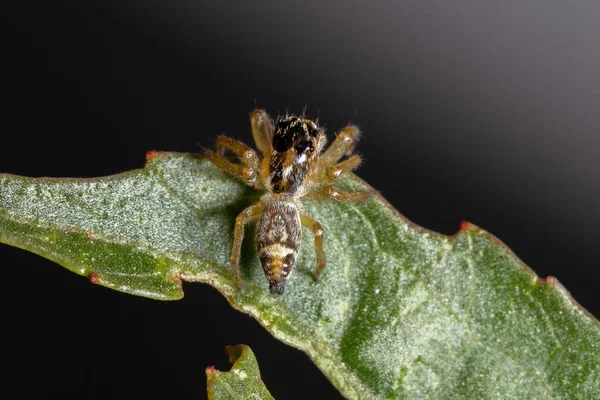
<point x="292" y="167"/>
<point x="294" y="145"/>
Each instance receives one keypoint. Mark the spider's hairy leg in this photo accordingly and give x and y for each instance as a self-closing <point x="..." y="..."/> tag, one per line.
<point x="313" y="225"/>
<point x="247" y="170"/>
<point x="342" y="195"/>
<point x="246" y="154"/>
<point x="262" y="130"/>
<point x="342" y="144"/>
<point x="242" y="219"/>
<point x="341" y="168"/>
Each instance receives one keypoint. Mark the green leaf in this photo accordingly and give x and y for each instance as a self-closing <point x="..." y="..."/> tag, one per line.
<point x="400" y="312"/>
<point x="242" y="382"/>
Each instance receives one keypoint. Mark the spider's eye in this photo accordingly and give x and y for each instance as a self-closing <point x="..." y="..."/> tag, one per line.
<point x="305" y="146"/>
<point x="282" y="141"/>
<point x="287" y="130"/>
<point x="295" y="132"/>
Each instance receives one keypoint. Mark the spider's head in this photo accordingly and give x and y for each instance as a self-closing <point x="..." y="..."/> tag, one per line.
<point x="296" y="143"/>
<point x="297" y="136"/>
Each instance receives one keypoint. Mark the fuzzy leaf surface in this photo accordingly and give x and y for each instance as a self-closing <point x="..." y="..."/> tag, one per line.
<point x="399" y="312"/>
<point x="242" y="382"/>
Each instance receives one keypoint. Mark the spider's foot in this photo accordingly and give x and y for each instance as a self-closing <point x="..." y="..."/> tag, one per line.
<point x="238" y="283"/>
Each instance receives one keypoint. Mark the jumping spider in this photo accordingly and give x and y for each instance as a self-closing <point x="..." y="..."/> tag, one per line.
<point x="292" y="167"/>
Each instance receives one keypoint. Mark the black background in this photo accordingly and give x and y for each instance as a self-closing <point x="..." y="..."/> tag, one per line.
<point x="481" y="110"/>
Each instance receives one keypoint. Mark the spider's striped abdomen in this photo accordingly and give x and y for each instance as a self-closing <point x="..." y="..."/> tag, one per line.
<point x="278" y="237"/>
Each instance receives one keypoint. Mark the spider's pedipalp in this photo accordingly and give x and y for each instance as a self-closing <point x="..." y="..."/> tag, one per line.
<point x="262" y="130"/>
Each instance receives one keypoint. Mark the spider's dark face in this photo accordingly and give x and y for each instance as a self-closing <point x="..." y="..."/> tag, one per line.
<point x="298" y="135"/>
<point x="295" y="145"/>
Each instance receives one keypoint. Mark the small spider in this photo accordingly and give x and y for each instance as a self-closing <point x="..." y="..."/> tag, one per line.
<point x="292" y="167"/>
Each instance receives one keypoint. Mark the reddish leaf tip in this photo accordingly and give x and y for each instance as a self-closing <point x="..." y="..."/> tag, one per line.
<point x="151" y="154"/>
<point x="555" y="283"/>
<point x="465" y="226"/>
<point x="210" y="371"/>
<point x="94" y="278"/>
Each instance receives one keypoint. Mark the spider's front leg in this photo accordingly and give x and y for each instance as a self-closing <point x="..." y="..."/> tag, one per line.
<point x="317" y="230"/>
<point x="330" y="169"/>
<point x="247" y="171"/>
<point x="242" y="219"/>
<point x="342" y="145"/>
<point x="333" y="173"/>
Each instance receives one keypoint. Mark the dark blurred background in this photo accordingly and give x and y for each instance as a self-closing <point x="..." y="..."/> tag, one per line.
<point x="483" y="111"/>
